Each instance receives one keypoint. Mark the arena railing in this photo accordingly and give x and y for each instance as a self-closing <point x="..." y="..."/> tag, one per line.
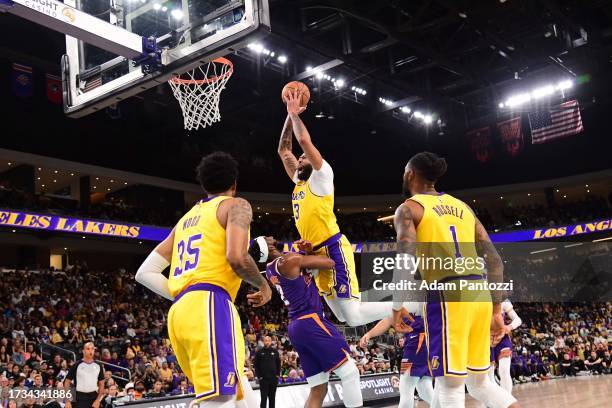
<point x="44" y="347"/>
<point x="114" y="368"/>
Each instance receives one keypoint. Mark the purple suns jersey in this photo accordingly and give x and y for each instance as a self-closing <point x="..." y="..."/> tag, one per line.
<point x="300" y="295"/>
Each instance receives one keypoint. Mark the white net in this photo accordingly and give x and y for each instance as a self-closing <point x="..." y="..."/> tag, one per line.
<point x="198" y="92"/>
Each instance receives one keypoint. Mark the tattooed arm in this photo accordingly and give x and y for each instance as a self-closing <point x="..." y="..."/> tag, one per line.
<point x="301" y="133"/>
<point x="495" y="273"/>
<point x="494" y="263"/>
<point x="405" y="229"/>
<point x="285" y="149"/>
<point x="239" y="219"/>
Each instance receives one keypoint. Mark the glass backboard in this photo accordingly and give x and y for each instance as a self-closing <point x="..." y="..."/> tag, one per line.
<point x="188" y="33"/>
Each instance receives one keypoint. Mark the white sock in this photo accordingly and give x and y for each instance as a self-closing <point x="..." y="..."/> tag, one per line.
<point x="492" y="395"/>
<point x="504" y="374"/>
<point x="407" y="386"/>
<point x="356" y="313"/>
<point x="425" y="389"/>
<point x="449" y="393"/>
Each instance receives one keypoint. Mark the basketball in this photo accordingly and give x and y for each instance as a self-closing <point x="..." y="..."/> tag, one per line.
<point x="299" y="87"/>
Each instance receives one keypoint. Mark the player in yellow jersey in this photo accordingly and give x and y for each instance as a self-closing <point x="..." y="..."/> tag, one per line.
<point x="208" y="259"/>
<point x="434" y="225"/>
<point x="313" y="212"/>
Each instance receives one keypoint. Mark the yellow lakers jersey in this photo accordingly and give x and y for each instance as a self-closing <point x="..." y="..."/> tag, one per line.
<point x="314" y="215"/>
<point x="199" y="251"/>
<point x="446" y="238"/>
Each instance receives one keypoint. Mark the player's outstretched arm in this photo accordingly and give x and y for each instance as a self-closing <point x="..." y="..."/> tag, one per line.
<point x="285" y="149"/>
<point x="239" y="219"/>
<point x="150" y="272"/>
<point x="381" y="328"/>
<point x="316" y="262"/>
<point x="301" y="133"/>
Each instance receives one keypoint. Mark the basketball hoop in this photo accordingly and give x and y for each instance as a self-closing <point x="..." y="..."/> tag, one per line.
<point x="198" y="92"/>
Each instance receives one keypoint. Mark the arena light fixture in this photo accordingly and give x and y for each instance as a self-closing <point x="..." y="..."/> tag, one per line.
<point x="537" y="93"/>
<point x="282" y="59"/>
<point x="164" y="9"/>
<point x="385" y="101"/>
<point x="157" y="7"/>
<point x="339" y="83"/>
<point x="358" y="90"/>
<point x="177" y="14"/>
<point x="542" y="92"/>
<point x="427" y="119"/>
<point x="405" y="109"/>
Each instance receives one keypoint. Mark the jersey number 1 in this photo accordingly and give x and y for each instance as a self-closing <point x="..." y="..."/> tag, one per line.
<point x="189" y="254"/>
<point x="453" y="231"/>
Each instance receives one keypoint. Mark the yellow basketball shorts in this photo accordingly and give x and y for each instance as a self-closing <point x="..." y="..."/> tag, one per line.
<point x="206" y="335"/>
<point x="458" y="337"/>
<point x="341" y="281"/>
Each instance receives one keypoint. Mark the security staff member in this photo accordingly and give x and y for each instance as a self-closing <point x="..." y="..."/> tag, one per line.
<point x="267" y="368"/>
<point x="88" y="379"/>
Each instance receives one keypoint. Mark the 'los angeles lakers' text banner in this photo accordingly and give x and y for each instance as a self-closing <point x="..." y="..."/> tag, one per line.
<point x="20" y="219"/>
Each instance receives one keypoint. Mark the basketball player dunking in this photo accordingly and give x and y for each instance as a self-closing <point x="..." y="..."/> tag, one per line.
<point x="437" y="225"/>
<point x="207" y="251"/>
<point x="313" y="212"/>
<point x="321" y="347"/>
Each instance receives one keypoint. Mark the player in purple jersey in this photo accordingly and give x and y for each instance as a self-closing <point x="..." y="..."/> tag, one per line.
<point x="321" y="347"/>
<point x="414" y="369"/>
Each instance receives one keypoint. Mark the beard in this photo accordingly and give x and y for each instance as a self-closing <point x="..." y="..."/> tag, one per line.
<point x="406" y="191"/>
<point x="304" y="173"/>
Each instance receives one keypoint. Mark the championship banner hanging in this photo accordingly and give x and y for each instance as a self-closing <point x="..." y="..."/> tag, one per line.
<point x="511" y="135"/>
<point x="480" y="143"/>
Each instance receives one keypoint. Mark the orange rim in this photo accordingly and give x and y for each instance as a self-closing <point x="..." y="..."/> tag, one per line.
<point x="221" y="60"/>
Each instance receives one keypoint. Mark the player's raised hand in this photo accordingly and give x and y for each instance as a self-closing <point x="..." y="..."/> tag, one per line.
<point x="260" y="297"/>
<point x="305" y="246"/>
<point x="293" y="103"/>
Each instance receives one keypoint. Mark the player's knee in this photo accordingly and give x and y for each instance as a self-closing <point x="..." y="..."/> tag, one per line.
<point x="347" y="371"/>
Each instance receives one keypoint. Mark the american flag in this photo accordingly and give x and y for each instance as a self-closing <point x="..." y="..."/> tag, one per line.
<point x="548" y="125"/>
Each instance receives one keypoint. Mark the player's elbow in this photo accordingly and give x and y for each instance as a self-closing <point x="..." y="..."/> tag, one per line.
<point x="237" y="259"/>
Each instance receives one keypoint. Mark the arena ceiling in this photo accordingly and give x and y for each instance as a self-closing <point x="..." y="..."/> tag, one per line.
<point x="455" y="60"/>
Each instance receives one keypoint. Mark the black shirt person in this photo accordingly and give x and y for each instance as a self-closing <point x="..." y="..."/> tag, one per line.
<point x="88" y="379"/>
<point x="267" y="368"/>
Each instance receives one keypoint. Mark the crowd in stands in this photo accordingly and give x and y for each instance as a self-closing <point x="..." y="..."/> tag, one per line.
<point x="127" y="325"/>
<point x="590" y="208"/>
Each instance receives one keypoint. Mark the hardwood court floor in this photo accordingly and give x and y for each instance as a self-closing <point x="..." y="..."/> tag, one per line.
<point x="576" y="392"/>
